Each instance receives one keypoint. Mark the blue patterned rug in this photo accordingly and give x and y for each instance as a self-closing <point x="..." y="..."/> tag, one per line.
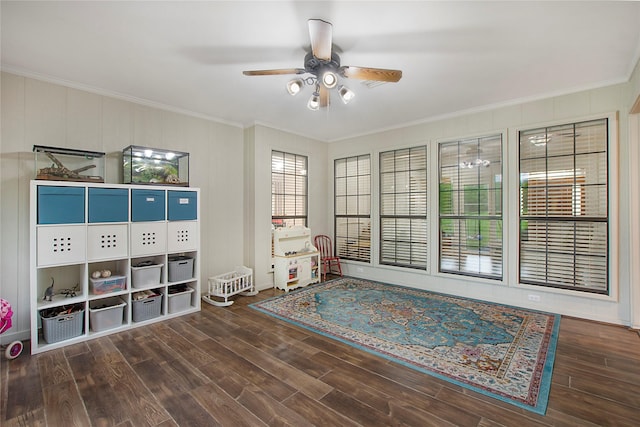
<point x="500" y="351"/>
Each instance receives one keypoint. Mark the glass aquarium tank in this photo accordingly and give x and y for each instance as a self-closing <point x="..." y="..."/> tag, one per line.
<point x="67" y="164"/>
<point x="142" y="165"/>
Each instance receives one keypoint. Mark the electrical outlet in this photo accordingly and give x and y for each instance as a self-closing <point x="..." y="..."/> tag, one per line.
<point x="360" y="269"/>
<point x="535" y="298"/>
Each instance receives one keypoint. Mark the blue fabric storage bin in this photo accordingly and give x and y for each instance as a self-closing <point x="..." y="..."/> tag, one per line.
<point x="108" y="205"/>
<point x="60" y="205"/>
<point x="182" y="205"/>
<point x="147" y="205"/>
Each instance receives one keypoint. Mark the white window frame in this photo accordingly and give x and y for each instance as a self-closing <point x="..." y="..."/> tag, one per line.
<point x="410" y="216"/>
<point x="613" y="202"/>
<point x="340" y="248"/>
<point x="299" y="219"/>
<point x="489" y="278"/>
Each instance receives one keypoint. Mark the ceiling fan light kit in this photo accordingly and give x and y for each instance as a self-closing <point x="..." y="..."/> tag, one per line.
<point x="325" y="71"/>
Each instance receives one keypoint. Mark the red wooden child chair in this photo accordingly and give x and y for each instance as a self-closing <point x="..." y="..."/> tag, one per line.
<point x="327" y="257"/>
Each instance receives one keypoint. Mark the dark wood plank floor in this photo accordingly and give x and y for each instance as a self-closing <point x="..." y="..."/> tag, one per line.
<point x="237" y="367"/>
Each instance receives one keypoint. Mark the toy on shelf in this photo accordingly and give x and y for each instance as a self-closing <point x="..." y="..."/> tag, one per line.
<point x="70" y="292"/>
<point x="49" y="292"/>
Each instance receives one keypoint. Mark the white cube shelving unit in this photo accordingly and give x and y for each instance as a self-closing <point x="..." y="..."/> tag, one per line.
<point x="66" y="251"/>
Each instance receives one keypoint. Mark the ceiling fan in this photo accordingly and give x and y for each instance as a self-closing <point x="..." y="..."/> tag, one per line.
<point x="323" y="69"/>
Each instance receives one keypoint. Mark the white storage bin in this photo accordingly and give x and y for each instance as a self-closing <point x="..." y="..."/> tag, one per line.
<point x="63" y="244"/>
<point x="149" y="275"/>
<point x="106" y="314"/>
<point x="107" y="241"/>
<point x="179" y="301"/>
<point x="182" y="236"/>
<point x="148" y="238"/>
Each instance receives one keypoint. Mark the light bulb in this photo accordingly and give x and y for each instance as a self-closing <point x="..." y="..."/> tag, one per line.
<point x="345" y="94"/>
<point x="294" y="86"/>
<point x="329" y="79"/>
<point x="314" y="102"/>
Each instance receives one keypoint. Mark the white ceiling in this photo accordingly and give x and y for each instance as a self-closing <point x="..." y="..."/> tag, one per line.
<point x="455" y="56"/>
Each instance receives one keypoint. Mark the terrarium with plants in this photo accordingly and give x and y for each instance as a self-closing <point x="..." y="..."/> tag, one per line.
<point x="142" y="165"/>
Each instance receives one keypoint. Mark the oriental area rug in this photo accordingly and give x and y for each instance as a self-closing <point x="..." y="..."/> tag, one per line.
<point x="500" y="351"/>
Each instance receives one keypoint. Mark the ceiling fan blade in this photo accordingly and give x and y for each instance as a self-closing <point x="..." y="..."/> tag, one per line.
<point x="324" y="96"/>
<point x="320" y="33"/>
<point x="274" y="72"/>
<point x="376" y="74"/>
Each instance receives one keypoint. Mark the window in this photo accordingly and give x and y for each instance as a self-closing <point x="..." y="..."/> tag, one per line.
<point x="564" y="206"/>
<point x="352" y="180"/>
<point x="470" y="207"/>
<point x="403" y="207"/>
<point x="288" y="189"/>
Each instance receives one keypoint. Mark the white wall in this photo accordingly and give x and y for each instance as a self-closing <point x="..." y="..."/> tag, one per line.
<point x="508" y="119"/>
<point x="40" y="113"/>
<point x="634" y="181"/>
<point x="259" y="142"/>
<point x="634" y="190"/>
